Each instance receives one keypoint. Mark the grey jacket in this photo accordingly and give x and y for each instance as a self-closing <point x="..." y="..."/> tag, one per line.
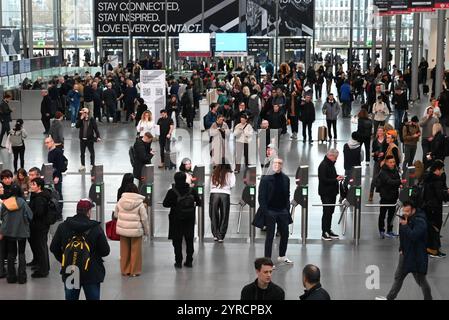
<point x="331" y="110"/>
<point x="57" y="131"/>
<point x="15" y="222"/>
<point x="426" y="124"/>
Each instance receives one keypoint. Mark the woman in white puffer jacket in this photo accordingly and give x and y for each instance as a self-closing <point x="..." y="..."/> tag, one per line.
<point x="132" y="225"/>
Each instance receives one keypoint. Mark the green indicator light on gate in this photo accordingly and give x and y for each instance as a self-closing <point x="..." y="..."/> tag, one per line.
<point x="358" y="192"/>
<point x="252" y="191"/>
<point x="410" y="192"/>
<point x="304" y="191"/>
<point x="97" y="189"/>
<point x="149" y="189"/>
<point x="200" y="190"/>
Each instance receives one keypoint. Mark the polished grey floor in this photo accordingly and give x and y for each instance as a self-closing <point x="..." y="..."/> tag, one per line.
<point x="221" y="270"/>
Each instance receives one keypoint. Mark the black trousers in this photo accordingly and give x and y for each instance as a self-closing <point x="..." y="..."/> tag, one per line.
<point x="3" y="256"/>
<point x="330" y="124"/>
<point x="425" y="149"/>
<point x="19" y="151"/>
<point x="164" y="145"/>
<point x="46" y="123"/>
<point x="5" y="129"/>
<point x="281" y="219"/>
<point x="307" y="127"/>
<point x="239" y="149"/>
<point x="435" y="221"/>
<point x="294" y="123"/>
<point x="187" y="232"/>
<point x="129" y="110"/>
<point x="90" y="146"/>
<point x="39" y="247"/>
<point x="318" y="90"/>
<point x="328" y="86"/>
<point x="16" y="246"/>
<point x="326" y="219"/>
<point x="366" y="142"/>
<point x="219" y="206"/>
<point x="390" y="217"/>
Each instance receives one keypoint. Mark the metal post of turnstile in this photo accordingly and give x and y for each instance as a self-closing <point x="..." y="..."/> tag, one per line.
<point x="302" y="180"/>
<point x="147" y="191"/>
<point x="96" y="193"/>
<point x="357" y="183"/>
<point x="198" y="179"/>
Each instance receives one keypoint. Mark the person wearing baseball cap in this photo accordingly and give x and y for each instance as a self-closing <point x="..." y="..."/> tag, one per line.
<point x="81" y="224"/>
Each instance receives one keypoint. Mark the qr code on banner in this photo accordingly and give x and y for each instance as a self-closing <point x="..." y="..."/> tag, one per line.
<point x="146" y="92"/>
<point x="159" y="92"/>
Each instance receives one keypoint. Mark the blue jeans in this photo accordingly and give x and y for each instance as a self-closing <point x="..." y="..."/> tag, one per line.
<point x="91" y="291"/>
<point x="74" y="109"/>
<point x="398" y="115"/>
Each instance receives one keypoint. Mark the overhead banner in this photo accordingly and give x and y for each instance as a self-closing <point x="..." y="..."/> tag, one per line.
<point x="146" y="18"/>
<point x="152" y="90"/>
<point x="383" y="7"/>
<point x="295" y="18"/>
<point x="148" y="44"/>
<point x="422" y="5"/>
<point x="258" y="44"/>
<point x="112" y="44"/>
<point x="441" y="4"/>
<point x="9" y="42"/>
<point x="399" y="6"/>
<point x="295" y="44"/>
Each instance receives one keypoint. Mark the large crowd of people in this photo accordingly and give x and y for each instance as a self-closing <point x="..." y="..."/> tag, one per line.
<point x="249" y="105"/>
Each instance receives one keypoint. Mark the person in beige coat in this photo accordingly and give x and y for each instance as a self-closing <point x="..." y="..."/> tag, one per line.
<point x="132" y="225"/>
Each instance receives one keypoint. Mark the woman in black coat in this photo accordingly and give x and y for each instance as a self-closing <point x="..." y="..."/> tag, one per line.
<point x="437" y="148"/>
<point x="364" y="131"/>
<point x="181" y="225"/>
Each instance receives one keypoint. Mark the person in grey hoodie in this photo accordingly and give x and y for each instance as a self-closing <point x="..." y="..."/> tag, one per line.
<point x="331" y="109"/>
<point x="57" y="130"/>
<point x="16" y="216"/>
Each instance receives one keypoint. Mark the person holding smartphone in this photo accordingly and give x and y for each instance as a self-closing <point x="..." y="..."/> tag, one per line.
<point x="88" y="134"/>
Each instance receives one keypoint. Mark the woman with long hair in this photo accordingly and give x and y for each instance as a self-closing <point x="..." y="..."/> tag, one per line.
<point x="222" y="181"/>
<point x="378" y="147"/>
<point x="146" y="124"/>
<point x="186" y="167"/>
<point x="127" y="179"/>
<point x="16" y="136"/>
<point x="437" y="142"/>
<point x="21" y="179"/>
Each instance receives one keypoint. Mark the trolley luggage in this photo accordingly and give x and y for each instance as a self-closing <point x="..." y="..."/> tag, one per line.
<point x="322" y="134"/>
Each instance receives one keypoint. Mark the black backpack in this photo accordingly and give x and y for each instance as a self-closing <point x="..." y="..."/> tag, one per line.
<point x="54" y="208"/>
<point x="77" y="254"/>
<point x="132" y="155"/>
<point x="65" y="163"/>
<point x="418" y="195"/>
<point x="185" y="205"/>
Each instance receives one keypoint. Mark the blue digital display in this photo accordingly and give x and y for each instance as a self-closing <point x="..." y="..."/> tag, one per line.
<point x="231" y="42"/>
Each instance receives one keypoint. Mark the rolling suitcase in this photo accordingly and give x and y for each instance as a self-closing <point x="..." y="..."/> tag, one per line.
<point x="322" y="134"/>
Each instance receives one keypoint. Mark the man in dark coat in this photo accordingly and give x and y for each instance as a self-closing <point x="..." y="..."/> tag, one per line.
<point x="181" y="224"/>
<point x="39" y="227"/>
<point x="263" y="288"/>
<point x="109" y="97"/>
<point x="388" y="185"/>
<point x="274" y="205"/>
<point x="435" y="193"/>
<point x="88" y="134"/>
<point x="142" y="154"/>
<point x="307" y="117"/>
<point x="328" y="190"/>
<point x="311" y="281"/>
<point x="46" y="110"/>
<point x="99" y="248"/>
<point x="412" y="251"/>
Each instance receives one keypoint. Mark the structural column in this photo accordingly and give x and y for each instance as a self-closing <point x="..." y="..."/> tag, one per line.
<point x="397" y="45"/>
<point x="30" y="28"/>
<point x="440" y="52"/>
<point x="374" y="42"/>
<point x="415" y="57"/>
<point x="384" y="42"/>
<point x="351" y="33"/>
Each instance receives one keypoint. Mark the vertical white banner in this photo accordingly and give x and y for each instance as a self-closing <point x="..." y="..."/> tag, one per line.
<point x="152" y="90"/>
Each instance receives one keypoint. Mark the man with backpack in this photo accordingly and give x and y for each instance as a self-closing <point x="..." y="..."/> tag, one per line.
<point x="435" y="192"/>
<point x="39" y="227"/>
<point x="182" y="201"/>
<point x="80" y="245"/>
<point x="141" y="154"/>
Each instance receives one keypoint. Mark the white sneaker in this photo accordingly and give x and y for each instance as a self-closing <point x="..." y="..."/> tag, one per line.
<point x="72" y="125"/>
<point x="82" y="168"/>
<point x="380" y="298"/>
<point x="285" y="260"/>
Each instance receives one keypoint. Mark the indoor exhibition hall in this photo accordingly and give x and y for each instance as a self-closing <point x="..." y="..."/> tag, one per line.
<point x="224" y="150"/>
